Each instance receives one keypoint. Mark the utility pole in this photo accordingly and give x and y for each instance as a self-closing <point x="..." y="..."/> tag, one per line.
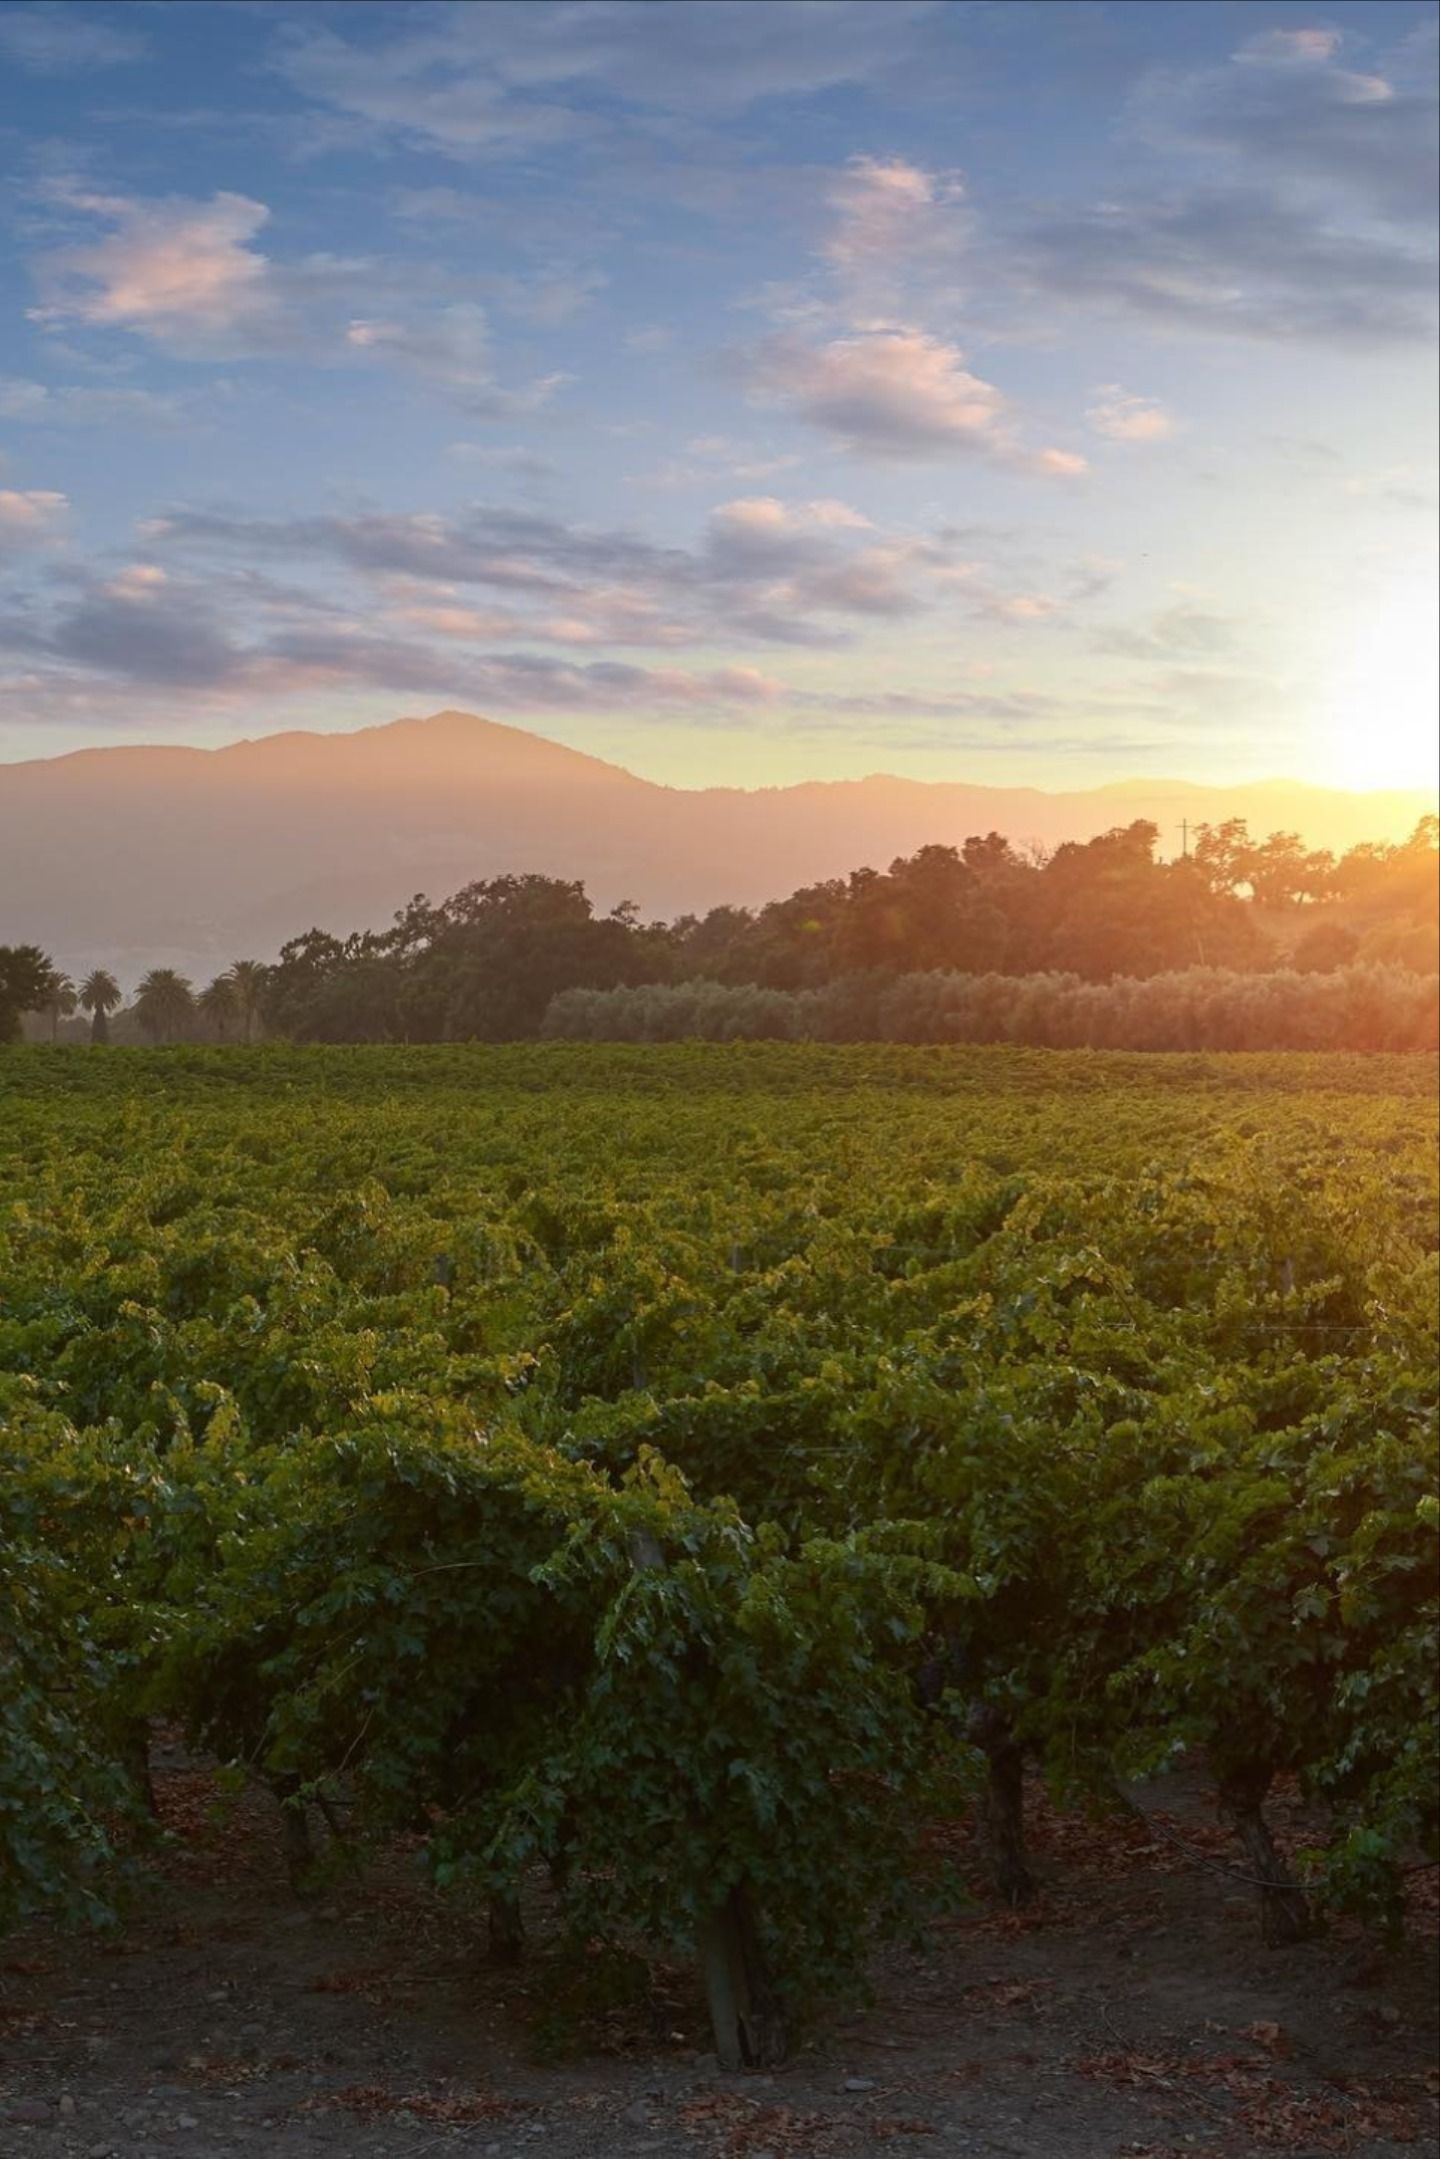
<point x="1185" y="839"/>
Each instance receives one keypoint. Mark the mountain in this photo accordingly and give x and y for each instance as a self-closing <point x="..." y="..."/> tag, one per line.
<point x="132" y="857"/>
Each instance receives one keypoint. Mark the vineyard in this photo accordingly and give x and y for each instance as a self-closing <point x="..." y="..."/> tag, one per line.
<point x="679" y="1483"/>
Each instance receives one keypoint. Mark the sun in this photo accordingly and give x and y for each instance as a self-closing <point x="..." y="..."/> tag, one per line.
<point x="1383" y="708"/>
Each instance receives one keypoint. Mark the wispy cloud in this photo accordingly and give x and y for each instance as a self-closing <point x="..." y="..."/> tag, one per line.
<point x="66" y="405"/>
<point x="450" y="349"/>
<point x="527" y="467"/>
<point x="893" y="223"/>
<point x="1231" y="261"/>
<point x="770" y="572"/>
<point x="61" y="40"/>
<point x="853" y="354"/>
<point x="486" y="81"/>
<point x="495" y="606"/>
<point x="142" y="631"/>
<point x="1182" y="631"/>
<point x="187" y="276"/>
<point x="1311" y="218"/>
<point x="1123" y="416"/>
<point x="30" y="517"/>
<point x="1289" y="104"/>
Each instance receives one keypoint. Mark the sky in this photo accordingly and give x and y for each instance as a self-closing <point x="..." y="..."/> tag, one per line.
<point x="741" y="390"/>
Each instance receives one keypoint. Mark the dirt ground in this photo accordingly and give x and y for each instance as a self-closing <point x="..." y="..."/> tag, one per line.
<point x="1132" y="2012"/>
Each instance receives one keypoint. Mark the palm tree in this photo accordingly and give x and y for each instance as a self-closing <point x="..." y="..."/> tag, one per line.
<point x="25" y="979"/>
<point x="164" y="1004"/>
<point x="99" y="995"/>
<point x="60" y="1000"/>
<point x="219" y="1004"/>
<point x="248" y="980"/>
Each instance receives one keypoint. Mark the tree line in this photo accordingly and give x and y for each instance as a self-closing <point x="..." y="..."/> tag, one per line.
<point x="165" y="1007"/>
<point x="508" y="957"/>
<point x="1363" y="1007"/>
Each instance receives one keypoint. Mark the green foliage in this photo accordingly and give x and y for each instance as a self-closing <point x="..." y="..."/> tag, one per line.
<point x="65" y="1513"/>
<point x="750" y="1706"/>
<point x="1314" y="1006"/>
<point x="27" y="980"/>
<point x="1099" y="945"/>
<point x="164" y="1005"/>
<point x="579" y="1454"/>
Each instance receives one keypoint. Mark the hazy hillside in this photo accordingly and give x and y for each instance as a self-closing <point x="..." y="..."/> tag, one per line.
<point x="133" y="856"/>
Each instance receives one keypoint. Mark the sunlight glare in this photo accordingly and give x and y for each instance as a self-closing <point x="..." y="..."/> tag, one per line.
<point x="1384" y="704"/>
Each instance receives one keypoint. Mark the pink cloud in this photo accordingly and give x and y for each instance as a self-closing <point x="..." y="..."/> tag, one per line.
<point x="178" y="269"/>
<point x="890" y="393"/>
<point x="29" y="516"/>
<point x="1124" y="417"/>
<point x="883" y="207"/>
<point x="1302" y="45"/>
<point x="763" y="516"/>
<point x="899" y="393"/>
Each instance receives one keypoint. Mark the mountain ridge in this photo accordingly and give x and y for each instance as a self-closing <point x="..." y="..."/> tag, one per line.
<point x="436" y="721"/>
<point x="131" y="855"/>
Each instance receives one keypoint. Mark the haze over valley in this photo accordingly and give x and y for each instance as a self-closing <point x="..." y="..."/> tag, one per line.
<point x="133" y="857"/>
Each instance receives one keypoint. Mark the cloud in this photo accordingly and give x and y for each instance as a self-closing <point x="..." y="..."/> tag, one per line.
<point x="1294" y="201"/>
<point x="1403" y="487"/>
<point x="183" y="274"/>
<point x="40" y="404"/>
<point x="177" y="270"/>
<point x="773" y="573"/>
<point x="521" y="464"/>
<point x="763" y="574"/>
<point x="135" y="631"/>
<point x="29" y="517"/>
<point x="790" y="549"/>
<point x="876" y="200"/>
<point x="708" y="458"/>
<point x="61" y="41"/>
<point x="886" y="209"/>
<point x="896" y="237"/>
<point x="421" y="86"/>
<point x="461" y="609"/>
<point x="148" y="634"/>
<point x="487" y="81"/>
<point x="895" y="393"/>
<point x="888" y="393"/>
<point x="143" y="629"/>
<point x="1182" y="631"/>
<point x="450" y="349"/>
<point x="879" y="581"/>
<point x="1017" y="708"/>
<point x="852" y="353"/>
<point x="137" y="581"/>
<point x="1231" y="261"/>
<point x="1122" y="416"/>
<point x="1301" y="45"/>
<point x="549" y="298"/>
<point x="649" y="338"/>
<point x="1062" y="464"/>
<point x="757" y="528"/>
<point x="1285" y="103"/>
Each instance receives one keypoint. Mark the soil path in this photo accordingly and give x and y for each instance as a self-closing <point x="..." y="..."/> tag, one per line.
<point x="1133" y="2013"/>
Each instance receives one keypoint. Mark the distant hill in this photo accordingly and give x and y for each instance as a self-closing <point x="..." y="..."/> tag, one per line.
<point x="132" y="857"/>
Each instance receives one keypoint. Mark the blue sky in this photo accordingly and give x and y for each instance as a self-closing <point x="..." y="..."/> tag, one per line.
<point x="742" y="391"/>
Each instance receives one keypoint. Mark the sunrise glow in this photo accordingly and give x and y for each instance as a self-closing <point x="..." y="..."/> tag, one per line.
<point x="1385" y="714"/>
<point x="741" y="393"/>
